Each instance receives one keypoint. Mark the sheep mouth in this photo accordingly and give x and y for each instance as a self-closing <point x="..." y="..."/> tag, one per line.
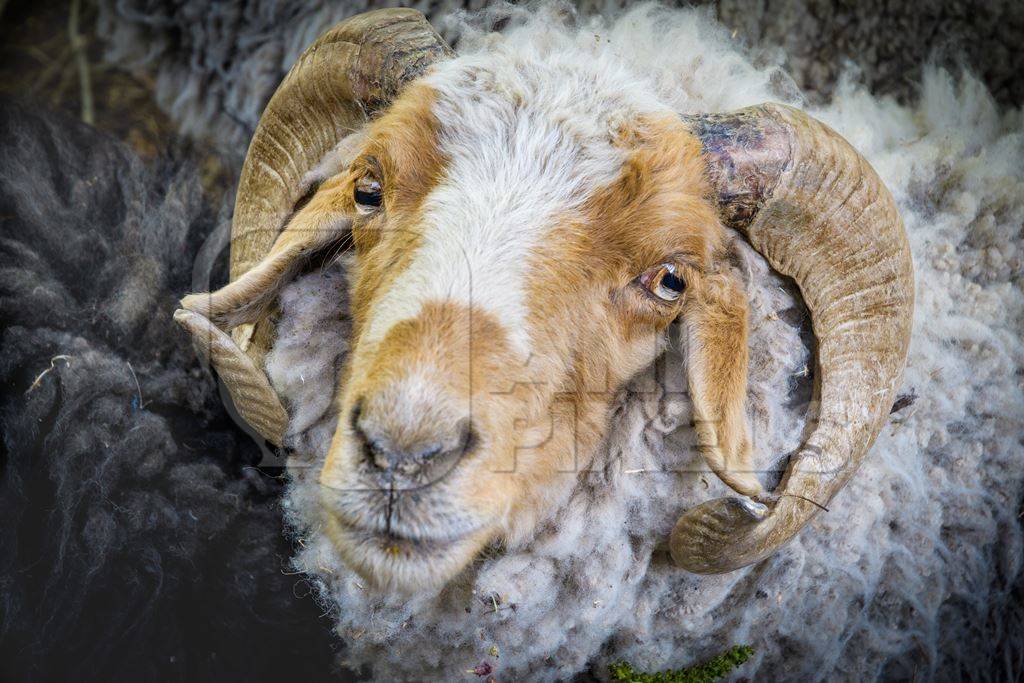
<point x="406" y="518"/>
<point x="403" y="564"/>
<point x="399" y="543"/>
<point x="406" y="554"/>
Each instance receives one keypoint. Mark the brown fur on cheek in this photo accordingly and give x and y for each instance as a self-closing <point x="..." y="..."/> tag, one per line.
<point x="661" y="204"/>
<point x="403" y="144"/>
<point x="401" y="151"/>
<point x="658" y="210"/>
<point x="593" y="327"/>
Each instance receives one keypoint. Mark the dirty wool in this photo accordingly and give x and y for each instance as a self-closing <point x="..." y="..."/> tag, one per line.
<point x="911" y="571"/>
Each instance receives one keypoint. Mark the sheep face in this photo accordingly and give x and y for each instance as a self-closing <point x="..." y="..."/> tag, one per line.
<point x="521" y="252"/>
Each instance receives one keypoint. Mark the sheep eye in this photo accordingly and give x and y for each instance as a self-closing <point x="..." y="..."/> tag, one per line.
<point x="664" y="282"/>
<point x="368" y="194"/>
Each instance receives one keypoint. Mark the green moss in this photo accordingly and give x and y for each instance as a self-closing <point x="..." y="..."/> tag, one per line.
<point x="708" y="672"/>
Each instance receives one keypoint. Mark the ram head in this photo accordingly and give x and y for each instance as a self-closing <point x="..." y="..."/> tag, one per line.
<point x="526" y="231"/>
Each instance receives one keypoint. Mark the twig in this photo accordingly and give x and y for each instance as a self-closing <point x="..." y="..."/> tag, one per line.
<point x="78" y="45"/>
<point x="807" y="500"/>
<point x="53" y="66"/>
<point x="39" y="377"/>
<point x="57" y="93"/>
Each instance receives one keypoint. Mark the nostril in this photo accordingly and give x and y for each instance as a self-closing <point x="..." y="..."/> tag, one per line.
<point x="440" y="458"/>
<point x="375" y="454"/>
<point x="468" y="437"/>
<point x="373" y="451"/>
<point x="357" y="411"/>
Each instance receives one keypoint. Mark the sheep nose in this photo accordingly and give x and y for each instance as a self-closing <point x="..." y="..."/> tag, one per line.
<point x="415" y="453"/>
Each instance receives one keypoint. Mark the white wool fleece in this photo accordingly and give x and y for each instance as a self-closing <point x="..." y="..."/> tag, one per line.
<point x="908" y="573"/>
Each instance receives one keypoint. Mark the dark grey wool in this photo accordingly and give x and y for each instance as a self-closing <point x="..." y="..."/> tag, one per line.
<point x="138" y="540"/>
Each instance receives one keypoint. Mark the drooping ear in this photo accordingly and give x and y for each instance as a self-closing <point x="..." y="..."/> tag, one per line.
<point x="714" y="321"/>
<point x="322" y="224"/>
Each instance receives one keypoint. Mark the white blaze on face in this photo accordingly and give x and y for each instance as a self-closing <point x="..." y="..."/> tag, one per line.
<point x="522" y="155"/>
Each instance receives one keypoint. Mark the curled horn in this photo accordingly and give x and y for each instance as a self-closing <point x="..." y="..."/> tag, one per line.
<point x="352" y="70"/>
<point x="818" y="213"/>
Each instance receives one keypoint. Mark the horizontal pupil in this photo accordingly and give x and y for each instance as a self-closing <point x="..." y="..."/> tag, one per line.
<point x="367" y="198"/>
<point x="670" y="281"/>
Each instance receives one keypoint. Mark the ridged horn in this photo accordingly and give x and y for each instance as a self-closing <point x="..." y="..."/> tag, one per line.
<point x="818" y="213"/>
<point x="350" y="72"/>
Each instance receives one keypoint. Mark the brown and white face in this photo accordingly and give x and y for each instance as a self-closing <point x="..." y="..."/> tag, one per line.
<point x="526" y="229"/>
<point x="519" y="258"/>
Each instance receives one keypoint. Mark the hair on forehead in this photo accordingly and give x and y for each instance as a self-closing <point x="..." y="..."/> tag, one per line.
<point x="565" y="103"/>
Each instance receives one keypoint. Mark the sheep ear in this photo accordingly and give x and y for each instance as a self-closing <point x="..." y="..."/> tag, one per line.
<point x="315" y="228"/>
<point x="714" y="321"/>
